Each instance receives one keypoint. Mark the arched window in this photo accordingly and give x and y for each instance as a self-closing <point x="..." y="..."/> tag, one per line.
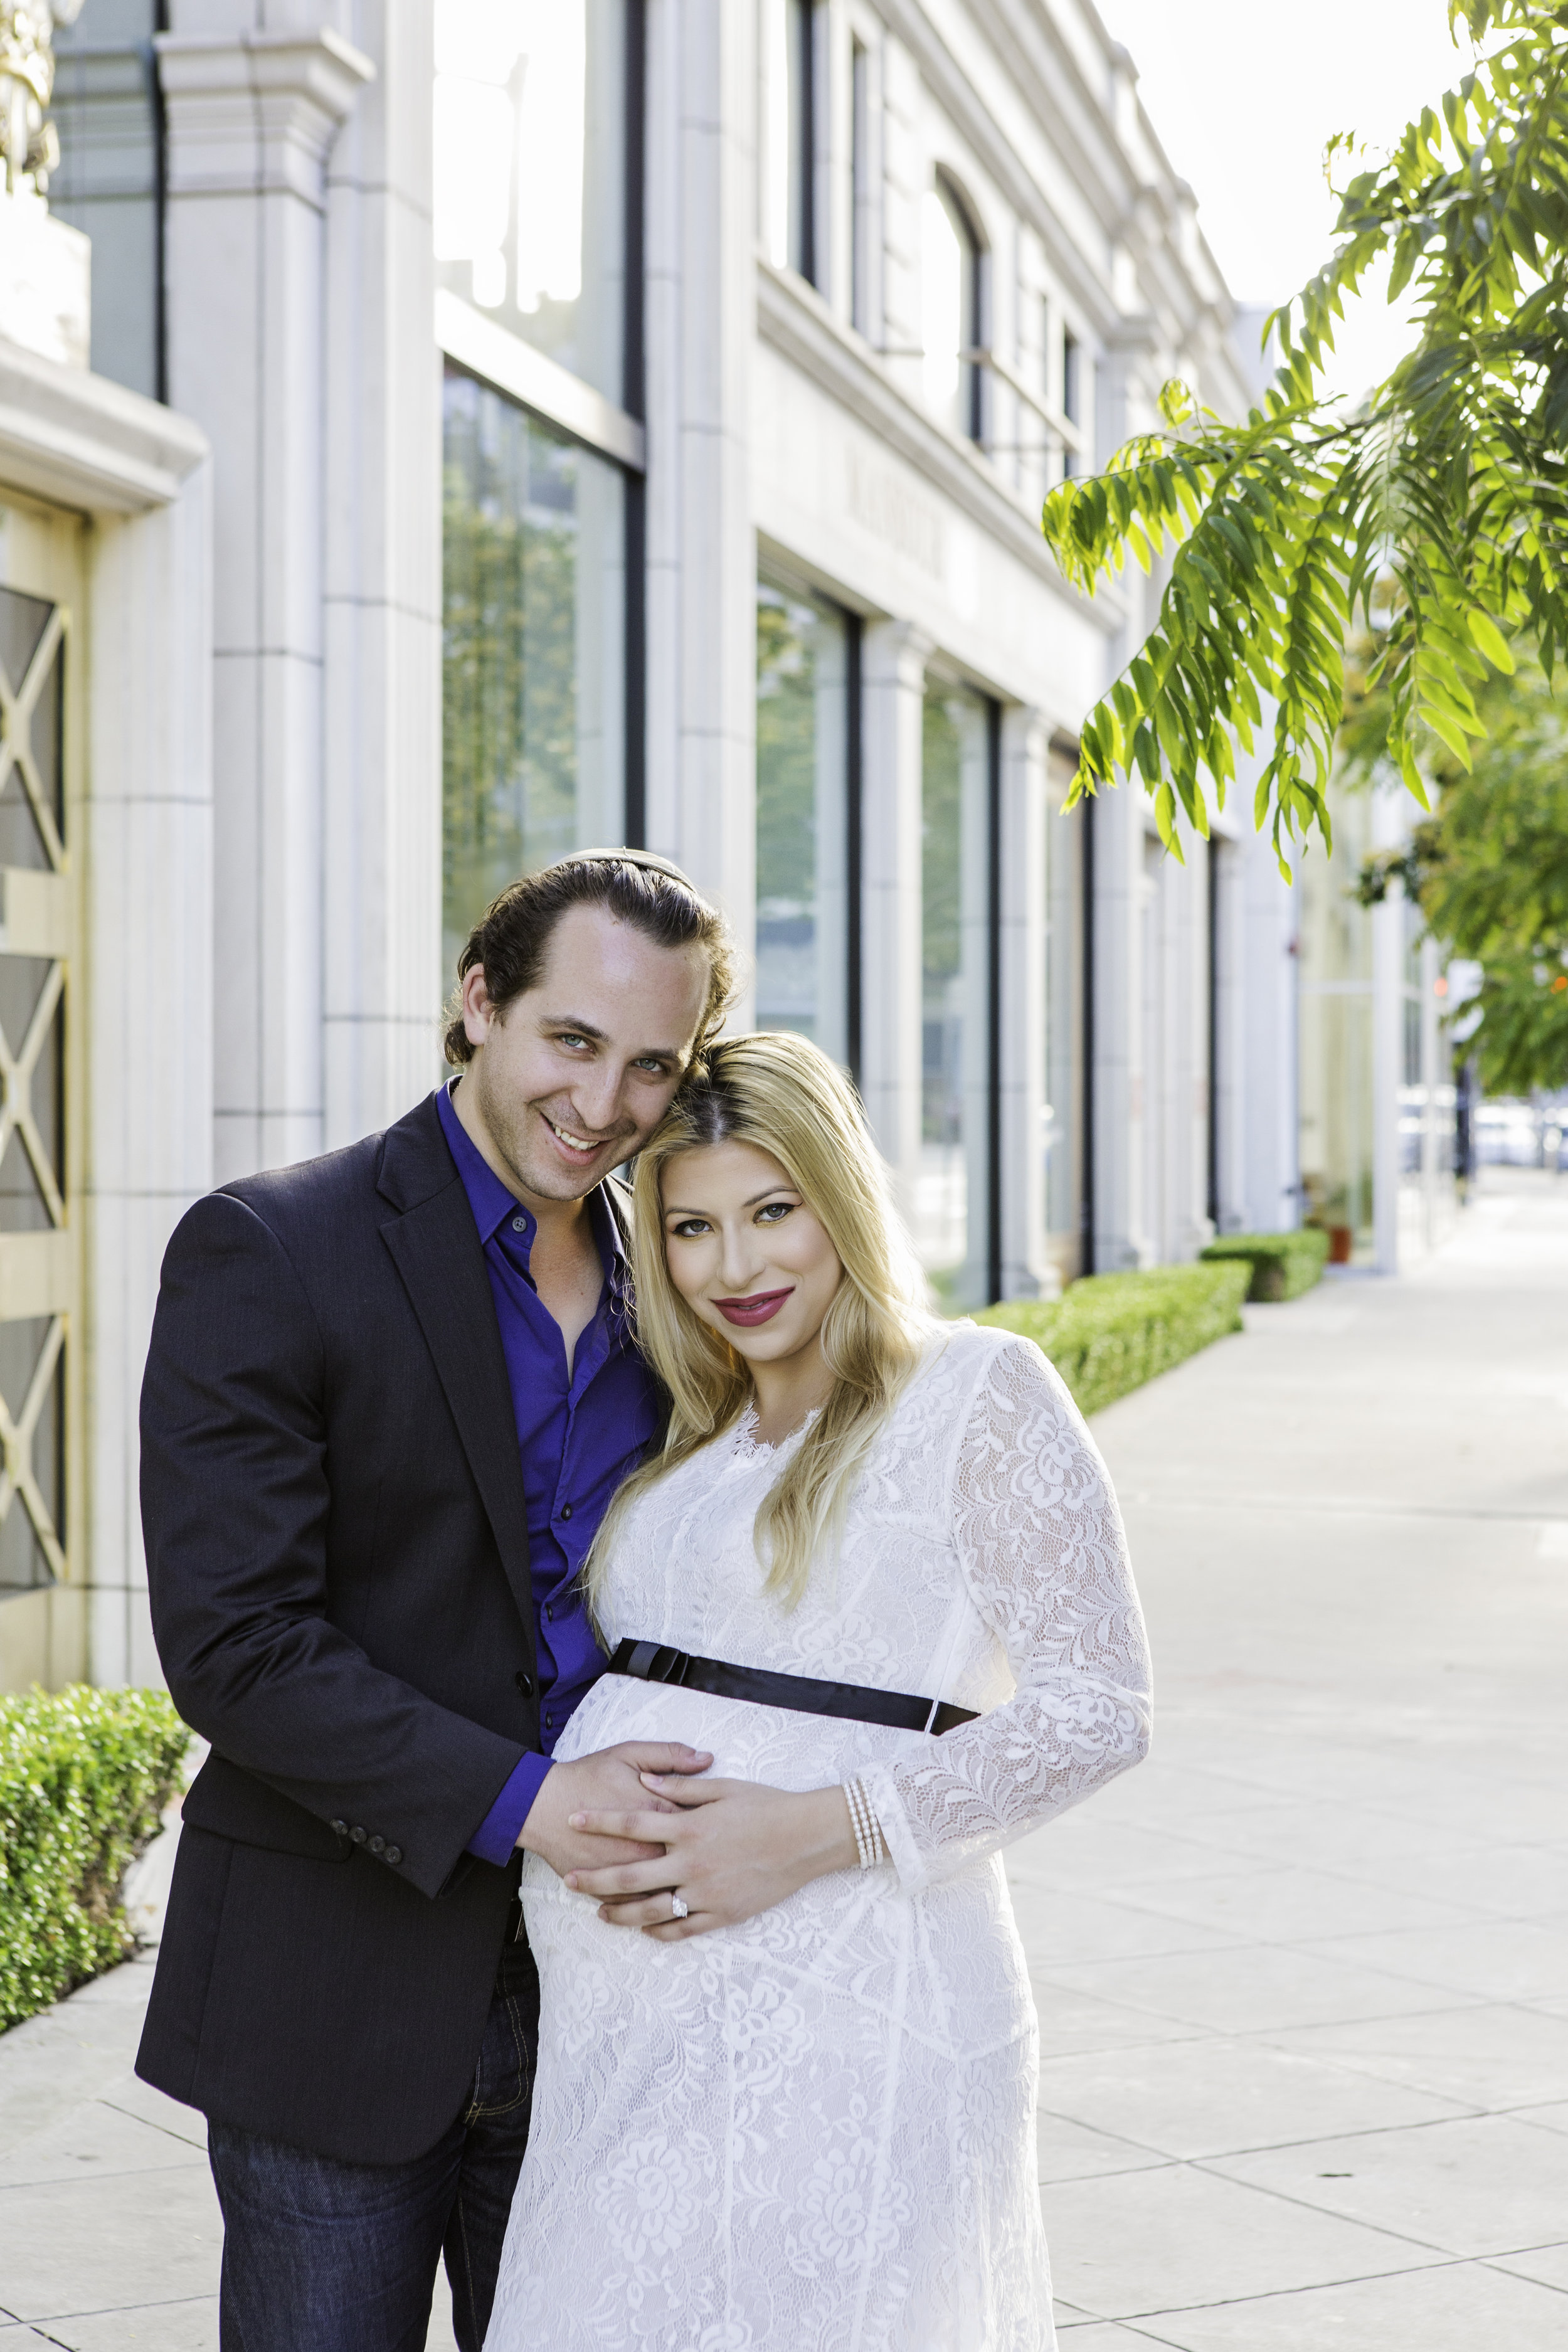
<point x="951" y="292"/>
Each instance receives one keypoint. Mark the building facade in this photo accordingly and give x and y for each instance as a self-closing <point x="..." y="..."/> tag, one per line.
<point x="508" y="427"/>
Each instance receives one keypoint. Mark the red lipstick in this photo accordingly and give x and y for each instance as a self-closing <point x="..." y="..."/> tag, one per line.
<point x="760" y="1307"/>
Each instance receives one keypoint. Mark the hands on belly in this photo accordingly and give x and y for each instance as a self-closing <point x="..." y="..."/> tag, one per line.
<point x="733" y="1848"/>
<point x="609" y="1778"/>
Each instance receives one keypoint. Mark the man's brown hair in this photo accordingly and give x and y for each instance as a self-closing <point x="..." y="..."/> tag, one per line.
<point x="511" y="935"/>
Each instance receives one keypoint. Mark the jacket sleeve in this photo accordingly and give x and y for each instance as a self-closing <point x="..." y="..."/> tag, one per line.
<point x="234" y="1505"/>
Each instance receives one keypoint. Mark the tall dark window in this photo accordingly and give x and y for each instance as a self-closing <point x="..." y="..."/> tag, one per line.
<point x="791" y="135"/>
<point x="953" y="1192"/>
<point x="1072" y="395"/>
<point x="807" y="722"/>
<point x="538" y="171"/>
<point x="952" y="301"/>
<point x="862" y="213"/>
<point x="534" y="602"/>
<point x="1063" y="1111"/>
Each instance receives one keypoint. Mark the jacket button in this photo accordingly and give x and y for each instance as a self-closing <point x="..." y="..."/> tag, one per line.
<point x="524" y="1683"/>
<point x="395" y="1854"/>
<point x="340" y="1829"/>
<point x="377" y="1845"/>
<point x="358" y="1834"/>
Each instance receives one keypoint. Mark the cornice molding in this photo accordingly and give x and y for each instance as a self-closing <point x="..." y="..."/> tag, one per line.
<point x="86" y="443"/>
<point x="795" y="319"/>
<point x="1127" y="208"/>
<point x="257" y="113"/>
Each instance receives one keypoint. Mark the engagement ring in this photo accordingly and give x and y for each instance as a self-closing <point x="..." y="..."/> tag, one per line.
<point x="678" y="1909"/>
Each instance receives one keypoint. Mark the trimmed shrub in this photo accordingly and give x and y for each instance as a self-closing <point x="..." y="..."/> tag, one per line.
<point x="1111" y="1332"/>
<point x="1283" y="1264"/>
<point x="84" y="1777"/>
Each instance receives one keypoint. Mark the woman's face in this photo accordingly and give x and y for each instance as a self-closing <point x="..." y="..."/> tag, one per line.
<point x="745" y="1251"/>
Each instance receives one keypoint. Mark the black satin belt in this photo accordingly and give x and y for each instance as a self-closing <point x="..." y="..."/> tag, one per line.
<point x="651" y="1664"/>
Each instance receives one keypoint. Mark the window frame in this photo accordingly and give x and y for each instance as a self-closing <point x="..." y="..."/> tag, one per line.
<point x="776" y="573"/>
<point x="480" y="346"/>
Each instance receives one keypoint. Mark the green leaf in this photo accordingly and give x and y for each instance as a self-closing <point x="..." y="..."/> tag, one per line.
<point x="1490" y="639"/>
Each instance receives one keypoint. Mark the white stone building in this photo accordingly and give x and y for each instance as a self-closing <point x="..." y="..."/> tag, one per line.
<point x="514" y="424"/>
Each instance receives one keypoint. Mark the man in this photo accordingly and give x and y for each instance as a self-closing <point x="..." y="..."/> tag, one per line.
<point x="389" y="1395"/>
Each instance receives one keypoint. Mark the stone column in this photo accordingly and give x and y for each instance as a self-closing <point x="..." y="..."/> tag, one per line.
<point x="381" y="634"/>
<point x="251" y="117"/>
<point x="892" y="680"/>
<point x="1026" y="1270"/>
<point x="700" y="252"/>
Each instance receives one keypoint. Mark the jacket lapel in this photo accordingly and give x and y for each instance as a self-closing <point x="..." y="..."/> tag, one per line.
<point x="436" y="1248"/>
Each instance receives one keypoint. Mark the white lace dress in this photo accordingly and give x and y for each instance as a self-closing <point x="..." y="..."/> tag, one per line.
<point x="816" y="2132"/>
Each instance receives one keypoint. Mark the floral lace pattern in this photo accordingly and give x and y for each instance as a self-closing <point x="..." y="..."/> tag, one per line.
<point x="814" y="2132"/>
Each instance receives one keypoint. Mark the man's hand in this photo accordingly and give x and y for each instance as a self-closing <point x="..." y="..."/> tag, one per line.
<point x="734" y="1848"/>
<point x="608" y="1778"/>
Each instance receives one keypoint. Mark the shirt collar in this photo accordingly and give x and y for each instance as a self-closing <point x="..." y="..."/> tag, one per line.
<point x="495" y="1207"/>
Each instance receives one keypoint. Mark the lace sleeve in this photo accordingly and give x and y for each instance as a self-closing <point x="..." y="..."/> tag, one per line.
<point x="1040" y="1541"/>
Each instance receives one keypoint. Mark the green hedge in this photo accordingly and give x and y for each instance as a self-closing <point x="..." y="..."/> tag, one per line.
<point x="1283" y="1264"/>
<point x="1111" y="1332"/>
<point x="84" y="1777"/>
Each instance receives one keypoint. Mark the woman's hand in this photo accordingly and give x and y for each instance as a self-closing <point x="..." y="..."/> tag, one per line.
<point x="733" y="1848"/>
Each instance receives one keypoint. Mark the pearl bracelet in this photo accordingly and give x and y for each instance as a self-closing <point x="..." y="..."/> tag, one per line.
<point x="863" y="1820"/>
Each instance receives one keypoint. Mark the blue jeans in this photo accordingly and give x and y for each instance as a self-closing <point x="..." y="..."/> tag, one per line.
<point x="323" y="2256"/>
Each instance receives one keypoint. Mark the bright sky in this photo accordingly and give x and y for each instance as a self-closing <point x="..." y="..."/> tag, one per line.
<point x="1245" y="94"/>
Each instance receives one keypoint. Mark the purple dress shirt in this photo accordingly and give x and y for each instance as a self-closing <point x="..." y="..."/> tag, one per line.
<point x="578" y="1435"/>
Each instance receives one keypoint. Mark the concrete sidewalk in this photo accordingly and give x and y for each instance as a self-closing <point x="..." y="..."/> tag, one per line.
<point x="1302" y="1979"/>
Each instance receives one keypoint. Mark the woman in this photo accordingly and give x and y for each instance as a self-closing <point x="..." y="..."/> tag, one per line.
<point x="810" y="2125"/>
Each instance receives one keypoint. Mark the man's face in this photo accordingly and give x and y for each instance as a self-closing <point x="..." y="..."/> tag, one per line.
<point x="574" y="1075"/>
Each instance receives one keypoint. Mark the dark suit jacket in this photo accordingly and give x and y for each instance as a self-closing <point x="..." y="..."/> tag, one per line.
<point x="338" y="1555"/>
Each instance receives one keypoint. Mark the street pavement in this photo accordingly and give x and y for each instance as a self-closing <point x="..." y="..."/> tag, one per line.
<point x="1303" y="1978"/>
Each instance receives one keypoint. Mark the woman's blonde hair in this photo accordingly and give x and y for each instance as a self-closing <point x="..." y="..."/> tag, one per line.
<point x="781" y="1093"/>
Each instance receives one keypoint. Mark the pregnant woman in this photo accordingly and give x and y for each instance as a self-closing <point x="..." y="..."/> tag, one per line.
<point x="787" y="2077"/>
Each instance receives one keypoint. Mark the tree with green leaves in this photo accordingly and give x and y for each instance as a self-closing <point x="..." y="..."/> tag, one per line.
<point x="1444" y="495"/>
<point x="1488" y="868"/>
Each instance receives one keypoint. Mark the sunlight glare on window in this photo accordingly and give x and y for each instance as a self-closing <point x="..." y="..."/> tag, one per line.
<point x="473" y="136"/>
<point x="550" y="142"/>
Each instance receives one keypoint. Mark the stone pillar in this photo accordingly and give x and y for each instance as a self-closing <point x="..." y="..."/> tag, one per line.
<point x="382" y="636"/>
<point x="892" y="681"/>
<point x="147" y="916"/>
<point x="1026" y="1272"/>
<point x="700" y="253"/>
<point x="251" y="117"/>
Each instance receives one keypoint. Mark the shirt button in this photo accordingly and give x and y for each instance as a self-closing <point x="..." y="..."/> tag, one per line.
<point x="519" y="1225"/>
<point x="524" y="1683"/>
<point x="565" y="1510"/>
<point x="550" y="1612"/>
